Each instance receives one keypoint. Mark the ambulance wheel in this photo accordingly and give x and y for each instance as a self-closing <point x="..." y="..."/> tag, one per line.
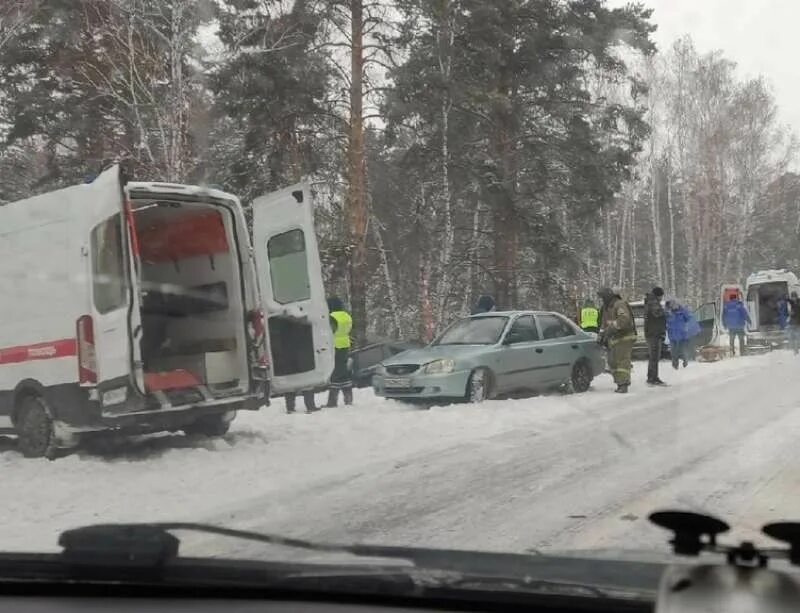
<point x="35" y="434"/>
<point x="210" y="425"/>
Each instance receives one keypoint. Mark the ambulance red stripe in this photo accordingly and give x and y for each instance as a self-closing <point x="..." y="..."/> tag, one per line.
<point x="39" y="351"/>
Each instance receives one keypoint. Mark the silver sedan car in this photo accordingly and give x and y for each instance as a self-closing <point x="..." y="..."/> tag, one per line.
<point x="492" y="354"/>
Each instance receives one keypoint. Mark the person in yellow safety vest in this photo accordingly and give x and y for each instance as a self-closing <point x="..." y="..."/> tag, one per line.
<point x="618" y="333"/>
<point x="590" y="317"/>
<point x="341" y="379"/>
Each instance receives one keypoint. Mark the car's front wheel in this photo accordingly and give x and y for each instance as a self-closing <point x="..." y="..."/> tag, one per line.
<point x="581" y="377"/>
<point x="478" y="385"/>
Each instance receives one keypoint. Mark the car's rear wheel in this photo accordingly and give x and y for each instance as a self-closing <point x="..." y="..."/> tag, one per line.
<point x="35" y="433"/>
<point x="581" y="377"/>
<point x="478" y="385"/>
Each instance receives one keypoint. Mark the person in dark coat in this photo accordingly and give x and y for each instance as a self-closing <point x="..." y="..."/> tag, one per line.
<point x="783" y="312"/>
<point x="485" y="305"/>
<point x="341" y="379"/>
<point x="655" y="329"/>
<point x="794" y="323"/>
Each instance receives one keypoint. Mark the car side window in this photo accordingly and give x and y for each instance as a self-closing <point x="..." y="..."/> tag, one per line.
<point x="554" y="327"/>
<point x="523" y="330"/>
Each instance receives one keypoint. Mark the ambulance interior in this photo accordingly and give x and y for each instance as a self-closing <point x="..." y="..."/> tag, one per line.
<point x="764" y="299"/>
<point x="192" y="309"/>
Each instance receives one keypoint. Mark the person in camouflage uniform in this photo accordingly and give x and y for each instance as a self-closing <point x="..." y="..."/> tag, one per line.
<point x="618" y="334"/>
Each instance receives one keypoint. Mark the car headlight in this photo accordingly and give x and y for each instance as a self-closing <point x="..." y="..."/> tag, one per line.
<point x="439" y="367"/>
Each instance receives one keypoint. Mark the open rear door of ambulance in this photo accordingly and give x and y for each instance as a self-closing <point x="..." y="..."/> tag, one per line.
<point x="292" y="293"/>
<point x="108" y="349"/>
<point x="706" y="316"/>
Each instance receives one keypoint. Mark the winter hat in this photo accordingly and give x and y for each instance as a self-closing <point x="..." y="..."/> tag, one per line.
<point x="335" y="304"/>
<point x="658" y="292"/>
<point x="486" y="303"/>
<point x="672" y="302"/>
<point x="606" y="294"/>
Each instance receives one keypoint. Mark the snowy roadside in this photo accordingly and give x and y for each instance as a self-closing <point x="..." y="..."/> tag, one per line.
<point x="271" y="453"/>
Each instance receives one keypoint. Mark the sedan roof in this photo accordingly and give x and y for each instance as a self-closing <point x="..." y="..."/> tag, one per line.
<point x="511" y="313"/>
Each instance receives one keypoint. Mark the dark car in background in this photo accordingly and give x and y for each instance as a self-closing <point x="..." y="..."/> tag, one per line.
<point x="366" y="359"/>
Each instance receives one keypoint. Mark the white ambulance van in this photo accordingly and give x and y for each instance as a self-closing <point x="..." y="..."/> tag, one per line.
<point x="142" y="307"/>
<point x="764" y="291"/>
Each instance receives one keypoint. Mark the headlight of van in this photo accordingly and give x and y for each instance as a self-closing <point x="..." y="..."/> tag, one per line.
<point x="439" y="367"/>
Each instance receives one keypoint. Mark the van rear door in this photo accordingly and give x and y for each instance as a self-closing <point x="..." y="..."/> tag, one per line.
<point x="706" y="316"/>
<point x="292" y="292"/>
<point x="107" y="352"/>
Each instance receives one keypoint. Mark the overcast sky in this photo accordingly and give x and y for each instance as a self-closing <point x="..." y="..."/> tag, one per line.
<point x="761" y="36"/>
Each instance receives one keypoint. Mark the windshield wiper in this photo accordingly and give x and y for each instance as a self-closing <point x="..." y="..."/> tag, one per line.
<point x="153" y="544"/>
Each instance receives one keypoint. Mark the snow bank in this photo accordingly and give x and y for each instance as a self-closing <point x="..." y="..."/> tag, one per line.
<point x="172" y="477"/>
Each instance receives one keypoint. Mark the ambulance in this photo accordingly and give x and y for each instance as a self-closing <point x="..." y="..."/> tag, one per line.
<point x="135" y="307"/>
<point x="764" y="290"/>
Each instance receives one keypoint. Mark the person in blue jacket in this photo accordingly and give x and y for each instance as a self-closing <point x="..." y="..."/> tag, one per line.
<point x="693" y="329"/>
<point x="734" y="319"/>
<point x="678" y="320"/>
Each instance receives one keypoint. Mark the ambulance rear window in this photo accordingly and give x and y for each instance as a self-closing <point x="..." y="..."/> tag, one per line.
<point x="288" y="267"/>
<point x="108" y="274"/>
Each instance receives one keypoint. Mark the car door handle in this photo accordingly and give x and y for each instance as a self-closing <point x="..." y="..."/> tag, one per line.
<point x="575" y="347"/>
<point x="539" y="350"/>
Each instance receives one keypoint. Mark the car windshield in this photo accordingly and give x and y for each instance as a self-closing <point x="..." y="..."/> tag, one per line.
<point x="474" y="331"/>
<point x="359" y="271"/>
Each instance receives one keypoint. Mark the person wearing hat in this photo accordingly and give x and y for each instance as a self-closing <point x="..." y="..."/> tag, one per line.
<point x="655" y="329"/>
<point x="485" y="305"/>
<point x="618" y="333"/>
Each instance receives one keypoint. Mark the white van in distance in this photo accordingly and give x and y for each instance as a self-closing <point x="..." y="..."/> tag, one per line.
<point x="142" y="307"/>
<point x="764" y="290"/>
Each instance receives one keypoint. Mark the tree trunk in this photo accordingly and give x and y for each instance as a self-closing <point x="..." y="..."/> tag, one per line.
<point x="670" y="211"/>
<point x="655" y="219"/>
<point x="392" y="294"/>
<point x="633" y="234"/>
<point x="356" y="213"/>
<point x="473" y="252"/>
<point x="505" y="240"/>
<point x="445" y="46"/>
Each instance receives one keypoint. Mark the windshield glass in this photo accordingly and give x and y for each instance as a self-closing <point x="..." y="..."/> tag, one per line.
<point x="474" y="331"/>
<point x="373" y="271"/>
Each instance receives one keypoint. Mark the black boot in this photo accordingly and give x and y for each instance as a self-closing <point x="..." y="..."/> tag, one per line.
<point x="348" y="395"/>
<point x="621" y="389"/>
<point x="333" y="398"/>
<point x="290" y="402"/>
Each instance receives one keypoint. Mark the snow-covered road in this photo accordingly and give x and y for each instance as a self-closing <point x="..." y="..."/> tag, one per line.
<point x="544" y="473"/>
